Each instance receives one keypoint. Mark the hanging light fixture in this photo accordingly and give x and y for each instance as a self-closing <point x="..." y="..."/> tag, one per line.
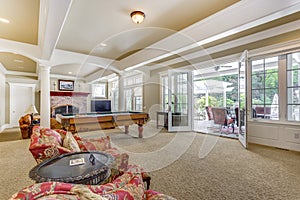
<point x="137" y="16"/>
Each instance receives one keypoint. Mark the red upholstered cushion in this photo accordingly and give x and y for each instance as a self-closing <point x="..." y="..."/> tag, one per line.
<point x="121" y="159"/>
<point x="99" y="144"/>
<point x="154" y="195"/>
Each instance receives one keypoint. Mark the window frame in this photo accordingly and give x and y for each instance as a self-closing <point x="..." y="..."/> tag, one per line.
<point x="264" y="110"/>
<point x="282" y="85"/>
<point x="132" y="84"/>
<point x="99" y="85"/>
<point x="288" y="114"/>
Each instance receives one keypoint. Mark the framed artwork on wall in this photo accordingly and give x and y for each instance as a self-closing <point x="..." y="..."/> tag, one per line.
<point x="66" y="85"/>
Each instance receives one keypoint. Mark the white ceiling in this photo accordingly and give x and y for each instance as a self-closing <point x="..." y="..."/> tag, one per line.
<point x="68" y="35"/>
<point x="102" y="21"/>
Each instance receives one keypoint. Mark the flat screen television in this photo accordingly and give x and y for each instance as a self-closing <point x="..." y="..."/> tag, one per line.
<point x="100" y="105"/>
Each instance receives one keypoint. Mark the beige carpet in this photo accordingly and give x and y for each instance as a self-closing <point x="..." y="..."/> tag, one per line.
<point x="15" y="163"/>
<point x="10" y="134"/>
<point x="226" y="172"/>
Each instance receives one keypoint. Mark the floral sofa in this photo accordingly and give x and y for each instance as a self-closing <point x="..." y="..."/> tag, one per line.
<point x="128" y="186"/>
<point x="47" y="143"/>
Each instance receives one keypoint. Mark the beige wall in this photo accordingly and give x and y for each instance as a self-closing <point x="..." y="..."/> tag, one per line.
<point x="151" y="94"/>
<point x="7" y="103"/>
<point x="37" y="101"/>
<point x="79" y="85"/>
<point x="2" y="100"/>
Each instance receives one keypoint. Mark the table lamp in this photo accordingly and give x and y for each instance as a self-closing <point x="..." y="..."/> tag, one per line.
<point x="31" y="110"/>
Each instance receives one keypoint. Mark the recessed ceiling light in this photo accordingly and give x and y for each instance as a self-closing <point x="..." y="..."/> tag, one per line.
<point x="70" y="73"/>
<point x="103" y="44"/>
<point x="3" y="20"/>
<point x="19" y="61"/>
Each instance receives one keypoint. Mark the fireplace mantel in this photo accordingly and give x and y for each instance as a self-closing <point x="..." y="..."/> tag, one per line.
<point x="65" y="93"/>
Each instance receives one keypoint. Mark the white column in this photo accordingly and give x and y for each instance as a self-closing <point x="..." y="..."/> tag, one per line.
<point x="224" y="96"/>
<point x="206" y="97"/>
<point x="45" y="96"/>
<point x="121" y="94"/>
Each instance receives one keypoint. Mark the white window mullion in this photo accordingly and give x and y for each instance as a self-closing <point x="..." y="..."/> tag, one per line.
<point x="282" y="90"/>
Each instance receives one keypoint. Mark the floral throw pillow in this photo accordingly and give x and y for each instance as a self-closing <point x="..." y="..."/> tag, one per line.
<point x="48" y="136"/>
<point x="70" y="143"/>
<point x="98" y="144"/>
<point x="62" y="133"/>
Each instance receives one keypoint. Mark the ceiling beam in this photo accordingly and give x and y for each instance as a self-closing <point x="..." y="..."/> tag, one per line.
<point x="2" y="69"/>
<point x="285" y="28"/>
<point x="53" y="14"/>
<point x="28" y="50"/>
<point x="214" y="28"/>
<point x="21" y="73"/>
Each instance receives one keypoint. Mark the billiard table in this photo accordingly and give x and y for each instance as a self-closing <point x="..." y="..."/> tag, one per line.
<point x="102" y="120"/>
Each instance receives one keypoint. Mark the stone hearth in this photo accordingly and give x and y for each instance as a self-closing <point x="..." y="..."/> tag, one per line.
<point x="74" y="99"/>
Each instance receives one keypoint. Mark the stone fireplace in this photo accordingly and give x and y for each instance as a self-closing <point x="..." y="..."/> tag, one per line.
<point x="68" y="102"/>
<point x="65" y="109"/>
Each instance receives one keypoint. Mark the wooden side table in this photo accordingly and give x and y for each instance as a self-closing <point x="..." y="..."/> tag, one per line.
<point x="165" y="119"/>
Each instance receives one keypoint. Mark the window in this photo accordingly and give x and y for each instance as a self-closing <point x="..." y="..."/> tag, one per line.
<point x="264" y="79"/>
<point x="128" y="97"/>
<point x="114" y="95"/>
<point x="293" y="86"/>
<point x="133" y="91"/>
<point x="99" y="90"/>
<point x="138" y="99"/>
<point x="138" y="103"/>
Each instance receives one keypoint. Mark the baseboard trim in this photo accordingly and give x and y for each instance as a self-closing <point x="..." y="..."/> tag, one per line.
<point x="4" y="127"/>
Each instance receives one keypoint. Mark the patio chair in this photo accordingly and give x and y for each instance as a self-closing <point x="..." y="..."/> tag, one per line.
<point x="220" y="116"/>
<point x="209" y="112"/>
<point x="210" y="117"/>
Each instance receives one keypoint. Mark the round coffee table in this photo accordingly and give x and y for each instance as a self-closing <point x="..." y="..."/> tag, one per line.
<point x="90" y="168"/>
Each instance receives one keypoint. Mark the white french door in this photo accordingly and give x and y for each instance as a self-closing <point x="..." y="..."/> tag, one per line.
<point x="242" y="96"/>
<point x="180" y="100"/>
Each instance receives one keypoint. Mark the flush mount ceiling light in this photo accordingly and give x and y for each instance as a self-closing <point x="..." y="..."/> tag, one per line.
<point x="19" y="61"/>
<point x="3" y="20"/>
<point x="137" y="16"/>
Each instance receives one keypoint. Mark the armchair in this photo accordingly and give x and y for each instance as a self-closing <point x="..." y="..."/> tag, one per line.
<point x="47" y="143"/>
<point x="25" y="123"/>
